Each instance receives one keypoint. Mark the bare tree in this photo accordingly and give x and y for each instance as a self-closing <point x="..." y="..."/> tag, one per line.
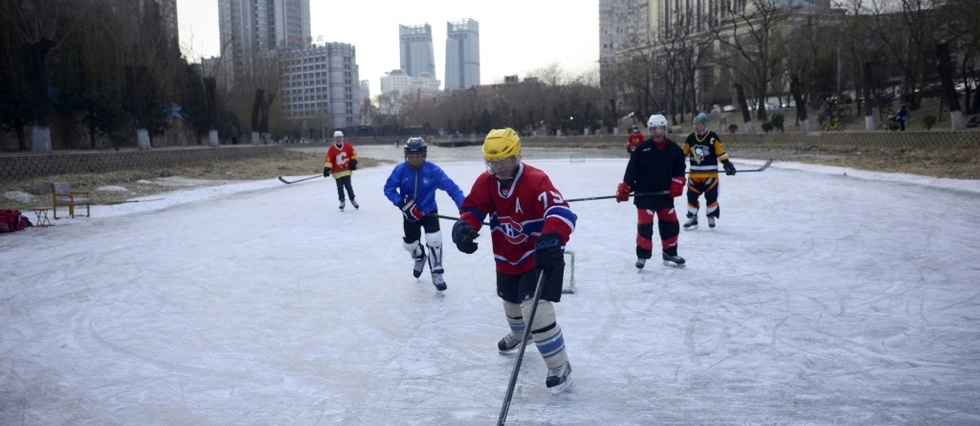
<point x="747" y="35"/>
<point x="41" y="26"/>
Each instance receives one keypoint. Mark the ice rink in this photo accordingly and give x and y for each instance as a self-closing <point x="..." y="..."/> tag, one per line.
<point x="824" y="296"/>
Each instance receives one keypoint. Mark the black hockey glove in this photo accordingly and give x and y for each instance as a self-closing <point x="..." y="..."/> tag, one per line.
<point x="326" y="171"/>
<point x="548" y="257"/>
<point x="353" y="165"/>
<point x="463" y="236"/>
<point x="729" y="168"/>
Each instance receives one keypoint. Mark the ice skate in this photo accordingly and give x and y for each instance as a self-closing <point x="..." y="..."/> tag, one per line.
<point x="711" y="221"/>
<point x="509" y="342"/>
<point x="673" y="260"/>
<point x="342" y="205"/>
<point x="354" y="203"/>
<point x="640" y="263"/>
<point x="438" y="281"/>
<point x="692" y="223"/>
<point x="419" y="263"/>
<point x="559" y="377"/>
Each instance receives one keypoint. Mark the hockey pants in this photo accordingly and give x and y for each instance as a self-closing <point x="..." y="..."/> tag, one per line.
<point x="708" y="187"/>
<point x="668" y="226"/>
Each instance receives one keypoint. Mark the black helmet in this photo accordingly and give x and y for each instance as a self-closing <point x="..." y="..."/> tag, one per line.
<point x="415" y="145"/>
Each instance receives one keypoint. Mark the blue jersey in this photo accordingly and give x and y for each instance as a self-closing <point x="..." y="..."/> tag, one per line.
<point x="421" y="185"/>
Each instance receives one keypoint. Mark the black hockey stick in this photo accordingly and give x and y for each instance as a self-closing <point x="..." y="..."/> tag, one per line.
<point x="764" y="166"/>
<point x="520" y="353"/>
<point x="134" y="201"/>
<point x="604" y="197"/>
<point x="449" y="217"/>
<point x="287" y="182"/>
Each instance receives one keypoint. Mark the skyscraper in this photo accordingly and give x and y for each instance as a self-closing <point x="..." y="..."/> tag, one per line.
<point x="416" y="50"/>
<point x="248" y="27"/>
<point x="462" y="54"/>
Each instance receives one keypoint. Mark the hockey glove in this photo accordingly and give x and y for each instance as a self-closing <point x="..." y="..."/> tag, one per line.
<point x="548" y="257"/>
<point x="729" y="168"/>
<point x="463" y="236"/>
<point x="623" y="192"/>
<point x="326" y="171"/>
<point x="677" y="186"/>
<point x="353" y="165"/>
<point x="411" y="210"/>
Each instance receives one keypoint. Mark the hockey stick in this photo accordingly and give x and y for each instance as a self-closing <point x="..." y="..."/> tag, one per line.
<point x="287" y="182"/>
<point x="764" y="166"/>
<point x="520" y="353"/>
<point x="604" y="197"/>
<point x="134" y="201"/>
<point x="448" y="217"/>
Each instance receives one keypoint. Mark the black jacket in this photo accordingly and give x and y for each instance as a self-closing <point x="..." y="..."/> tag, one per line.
<point x="651" y="169"/>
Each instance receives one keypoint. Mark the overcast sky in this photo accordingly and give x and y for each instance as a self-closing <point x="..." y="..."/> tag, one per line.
<point x="516" y="37"/>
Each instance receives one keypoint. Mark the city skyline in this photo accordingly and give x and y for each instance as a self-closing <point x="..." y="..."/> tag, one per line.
<point x="516" y="38"/>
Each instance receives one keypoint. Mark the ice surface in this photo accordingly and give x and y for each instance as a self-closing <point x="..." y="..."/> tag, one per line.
<point x="824" y="296"/>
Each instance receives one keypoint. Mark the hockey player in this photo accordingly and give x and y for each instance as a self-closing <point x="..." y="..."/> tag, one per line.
<point x="412" y="188"/>
<point x="656" y="172"/>
<point x="704" y="149"/>
<point x="634" y="139"/>
<point x="530" y="222"/>
<point x="341" y="160"/>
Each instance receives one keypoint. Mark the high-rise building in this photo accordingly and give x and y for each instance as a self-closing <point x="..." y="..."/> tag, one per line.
<point x="248" y="27"/>
<point x="321" y="86"/>
<point x="416" y="50"/>
<point x="462" y="54"/>
<point x="623" y="24"/>
<point x="168" y="14"/>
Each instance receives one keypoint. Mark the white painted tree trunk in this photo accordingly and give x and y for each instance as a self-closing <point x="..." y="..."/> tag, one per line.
<point x="213" y="138"/>
<point x="805" y="125"/>
<point x="142" y="139"/>
<point x="957" y="120"/>
<point x="749" y="128"/>
<point x="255" y="139"/>
<point x="41" y="140"/>
<point x="869" y="123"/>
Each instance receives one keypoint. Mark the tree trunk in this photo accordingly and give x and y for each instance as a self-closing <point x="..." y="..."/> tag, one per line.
<point x="744" y="106"/>
<point x="210" y="95"/>
<point x="134" y="87"/>
<point x="38" y="74"/>
<point x="949" y="91"/>
<point x="21" y="139"/>
<point x="869" y="117"/>
<point x="797" y="92"/>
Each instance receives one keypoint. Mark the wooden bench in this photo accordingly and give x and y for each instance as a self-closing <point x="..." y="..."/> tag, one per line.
<point x="63" y="196"/>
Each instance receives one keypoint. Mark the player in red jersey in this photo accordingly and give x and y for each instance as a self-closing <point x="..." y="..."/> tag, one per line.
<point x="530" y="222"/>
<point x="341" y="160"/>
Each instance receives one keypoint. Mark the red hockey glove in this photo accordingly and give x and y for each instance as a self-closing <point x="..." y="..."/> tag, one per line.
<point x="677" y="186"/>
<point x="623" y="192"/>
<point x="411" y="210"/>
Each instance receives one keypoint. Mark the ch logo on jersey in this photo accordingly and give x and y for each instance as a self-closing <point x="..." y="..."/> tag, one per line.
<point x="512" y="230"/>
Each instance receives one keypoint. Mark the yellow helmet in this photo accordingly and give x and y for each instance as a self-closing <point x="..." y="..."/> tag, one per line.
<point x="501" y="144"/>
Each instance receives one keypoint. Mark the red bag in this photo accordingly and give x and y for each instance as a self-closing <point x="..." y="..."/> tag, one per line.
<point x="12" y="220"/>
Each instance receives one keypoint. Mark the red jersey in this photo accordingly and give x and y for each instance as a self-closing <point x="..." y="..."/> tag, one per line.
<point x="338" y="159"/>
<point x="518" y="216"/>
<point x="634" y="140"/>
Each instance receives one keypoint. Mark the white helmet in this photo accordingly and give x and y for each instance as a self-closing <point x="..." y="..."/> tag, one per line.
<point x="657" y="120"/>
<point x="338" y="134"/>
